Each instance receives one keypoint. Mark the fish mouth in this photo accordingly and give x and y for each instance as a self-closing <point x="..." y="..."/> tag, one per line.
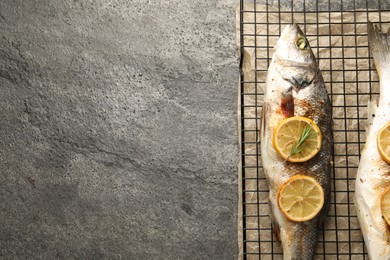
<point x="291" y="29"/>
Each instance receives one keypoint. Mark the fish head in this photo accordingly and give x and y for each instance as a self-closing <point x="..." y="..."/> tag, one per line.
<point x="294" y="58"/>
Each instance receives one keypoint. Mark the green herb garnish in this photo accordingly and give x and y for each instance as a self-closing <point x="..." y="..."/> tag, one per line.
<point x="307" y="133"/>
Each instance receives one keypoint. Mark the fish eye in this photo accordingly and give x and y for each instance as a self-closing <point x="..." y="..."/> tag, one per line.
<point x="302" y="43"/>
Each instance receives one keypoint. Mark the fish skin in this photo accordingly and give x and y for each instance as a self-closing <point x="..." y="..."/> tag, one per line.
<point x="295" y="87"/>
<point x="373" y="174"/>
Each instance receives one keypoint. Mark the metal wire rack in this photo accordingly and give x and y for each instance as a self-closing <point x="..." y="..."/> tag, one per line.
<point x="337" y="32"/>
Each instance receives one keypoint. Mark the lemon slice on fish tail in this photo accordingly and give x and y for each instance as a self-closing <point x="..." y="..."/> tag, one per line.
<point x="385" y="205"/>
<point x="297" y="139"/>
<point x="383" y="142"/>
<point x="300" y="198"/>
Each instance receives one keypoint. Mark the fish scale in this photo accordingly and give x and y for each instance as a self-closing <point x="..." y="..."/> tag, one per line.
<point x="295" y="87"/>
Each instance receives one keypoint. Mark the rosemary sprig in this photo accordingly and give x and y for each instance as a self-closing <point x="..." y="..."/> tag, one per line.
<point x="307" y="133"/>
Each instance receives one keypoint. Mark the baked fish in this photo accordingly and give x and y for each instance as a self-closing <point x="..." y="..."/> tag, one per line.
<point x="373" y="174"/>
<point x="295" y="87"/>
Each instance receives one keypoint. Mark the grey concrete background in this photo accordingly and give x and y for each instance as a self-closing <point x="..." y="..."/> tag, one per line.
<point x="118" y="129"/>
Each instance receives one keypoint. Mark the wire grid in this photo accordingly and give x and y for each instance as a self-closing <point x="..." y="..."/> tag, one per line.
<point x="351" y="81"/>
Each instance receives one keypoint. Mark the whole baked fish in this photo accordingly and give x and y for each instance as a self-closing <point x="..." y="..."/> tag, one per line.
<point x="373" y="174"/>
<point x="295" y="87"/>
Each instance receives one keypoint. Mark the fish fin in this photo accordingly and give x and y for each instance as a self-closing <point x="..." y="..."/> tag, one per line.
<point x="276" y="229"/>
<point x="262" y="122"/>
<point x="274" y="223"/>
<point x="380" y="47"/>
<point x="371" y="110"/>
<point x="261" y="125"/>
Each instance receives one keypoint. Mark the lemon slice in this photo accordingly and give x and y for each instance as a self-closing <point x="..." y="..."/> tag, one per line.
<point x="385" y="205"/>
<point x="300" y="198"/>
<point x="383" y="142"/>
<point x="287" y="139"/>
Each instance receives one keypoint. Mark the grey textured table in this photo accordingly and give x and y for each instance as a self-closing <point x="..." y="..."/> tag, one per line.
<point x="118" y="129"/>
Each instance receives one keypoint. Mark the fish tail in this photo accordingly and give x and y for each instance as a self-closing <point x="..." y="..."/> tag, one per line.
<point x="380" y="47"/>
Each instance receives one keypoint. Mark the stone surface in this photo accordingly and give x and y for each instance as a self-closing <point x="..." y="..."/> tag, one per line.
<point x="118" y="129"/>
